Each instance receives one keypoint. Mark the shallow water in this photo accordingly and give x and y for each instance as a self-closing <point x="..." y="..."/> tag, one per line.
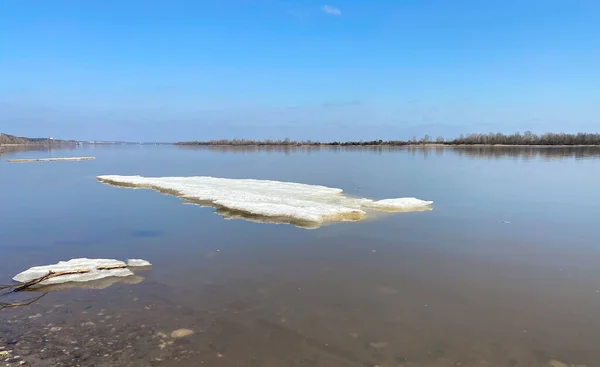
<point x="504" y="271"/>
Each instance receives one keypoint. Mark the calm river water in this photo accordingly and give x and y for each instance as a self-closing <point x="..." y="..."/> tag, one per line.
<point x="504" y="271"/>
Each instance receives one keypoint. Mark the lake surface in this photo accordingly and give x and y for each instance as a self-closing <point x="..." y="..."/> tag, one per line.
<point x="504" y="271"/>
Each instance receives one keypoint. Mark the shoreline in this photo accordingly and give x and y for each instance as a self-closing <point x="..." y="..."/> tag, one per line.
<point x="36" y="144"/>
<point x="23" y="145"/>
<point x="50" y="159"/>
<point x="392" y="145"/>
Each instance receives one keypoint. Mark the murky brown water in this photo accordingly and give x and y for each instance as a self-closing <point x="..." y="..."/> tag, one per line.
<point x="503" y="272"/>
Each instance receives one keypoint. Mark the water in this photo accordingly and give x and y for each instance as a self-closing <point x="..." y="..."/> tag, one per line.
<point x="505" y="271"/>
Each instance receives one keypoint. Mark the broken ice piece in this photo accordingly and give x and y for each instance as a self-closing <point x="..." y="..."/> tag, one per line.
<point x="76" y="270"/>
<point x="137" y="263"/>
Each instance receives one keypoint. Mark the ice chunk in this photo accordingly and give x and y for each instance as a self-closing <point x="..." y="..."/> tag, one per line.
<point x="137" y="263"/>
<point x="76" y="270"/>
<point x="303" y="205"/>
<point x="399" y="205"/>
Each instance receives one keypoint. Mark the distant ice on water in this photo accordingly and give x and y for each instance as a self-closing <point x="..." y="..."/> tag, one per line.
<point x="138" y="263"/>
<point x="307" y="206"/>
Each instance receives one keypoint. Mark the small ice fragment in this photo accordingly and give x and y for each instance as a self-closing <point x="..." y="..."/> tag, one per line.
<point x="181" y="333"/>
<point x="75" y="270"/>
<point x="398" y="204"/>
<point x="378" y="345"/>
<point x="555" y="363"/>
<point x="137" y="262"/>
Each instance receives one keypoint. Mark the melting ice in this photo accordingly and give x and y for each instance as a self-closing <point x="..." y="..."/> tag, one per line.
<point x="80" y="270"/>
<point x="303" y="205"/>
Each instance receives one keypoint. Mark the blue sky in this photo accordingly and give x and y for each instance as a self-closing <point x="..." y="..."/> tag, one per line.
<point x="322" y="70"/>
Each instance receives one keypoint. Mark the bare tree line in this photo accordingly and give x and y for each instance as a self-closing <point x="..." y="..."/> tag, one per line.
<point x="18" y="140"/>
<point x="527" y="138"/>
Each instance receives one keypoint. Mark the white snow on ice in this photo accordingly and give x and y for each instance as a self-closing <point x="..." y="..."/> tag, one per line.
<point x="270" y="199"/>
<point x="93" y="266"/>
<point x="137" y="263"/>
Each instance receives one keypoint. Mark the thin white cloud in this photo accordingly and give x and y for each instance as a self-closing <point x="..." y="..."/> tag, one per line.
<point x="331" y="10"/>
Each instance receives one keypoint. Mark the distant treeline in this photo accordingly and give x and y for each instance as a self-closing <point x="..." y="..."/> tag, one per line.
<point x="527" y="138"/>
<point x="288" y="142"/>
<point x="18" y="140"/>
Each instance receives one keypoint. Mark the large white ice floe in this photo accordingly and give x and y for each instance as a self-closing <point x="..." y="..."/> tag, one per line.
<point x="269" y="201"/>
<point x="78" y="270"/>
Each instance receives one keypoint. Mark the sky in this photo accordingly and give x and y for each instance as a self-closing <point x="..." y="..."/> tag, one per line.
<point x="177" y="70"/>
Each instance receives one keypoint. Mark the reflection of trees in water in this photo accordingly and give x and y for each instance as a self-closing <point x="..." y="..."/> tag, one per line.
<point x="507" y="152"/>
<point x="9" y="150"/>
<point x="27" y="302"/>
<point x="9" y="291"/>
<point x="527" y="153"/>
<point x="471" y="151"/>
